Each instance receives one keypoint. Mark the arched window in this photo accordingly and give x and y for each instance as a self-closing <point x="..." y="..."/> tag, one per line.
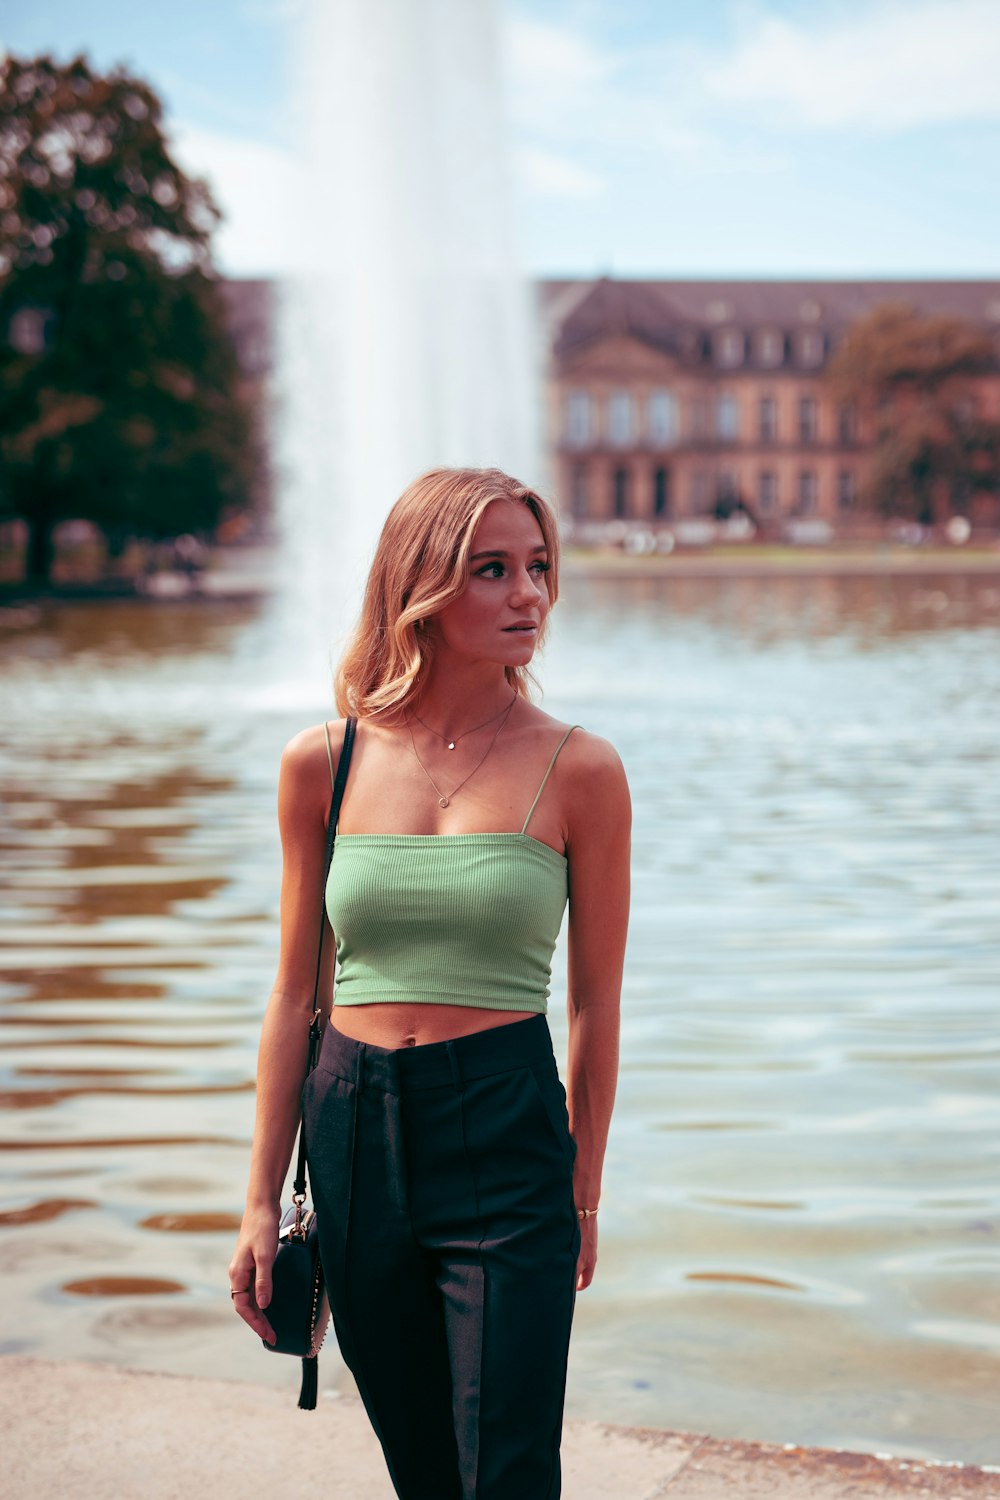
<point x="809" y="348"/>
<point x="727" y="419"/>
<point x="578" y="490"/>
<point x="661" y="418"/>
<point x="770" y="348"/>
<point x="621" y="419"/>
<point x="577" y="423"/>
<point x="578" y="426"/>
<point x="768" y="419"/>
<point x="807" y="491"/>
<point x="728" y="347"/>
<point x="846" y="490"/>
<point x="767" y="492"/>
<point x="847" y="425"/>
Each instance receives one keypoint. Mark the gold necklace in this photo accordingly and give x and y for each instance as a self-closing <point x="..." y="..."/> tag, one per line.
<point x="452" y="743"/>
<point x="444" y="798"/>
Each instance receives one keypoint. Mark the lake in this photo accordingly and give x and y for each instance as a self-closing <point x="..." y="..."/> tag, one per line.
<point x="800" y="1223"/>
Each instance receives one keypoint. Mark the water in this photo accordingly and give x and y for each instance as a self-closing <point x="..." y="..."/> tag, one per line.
<point x="800" y="1228"/>
<point x="412" y="343"/>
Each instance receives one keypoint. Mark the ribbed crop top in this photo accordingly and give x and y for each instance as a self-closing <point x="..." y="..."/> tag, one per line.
<point x="458" y="919"/>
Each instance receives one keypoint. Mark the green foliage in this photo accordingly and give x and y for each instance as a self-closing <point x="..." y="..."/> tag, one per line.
<point x="917" y="379"/>
<point x="119" y="393"/>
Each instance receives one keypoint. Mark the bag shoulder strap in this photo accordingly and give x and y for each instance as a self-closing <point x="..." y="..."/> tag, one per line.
<point x="315" y="1027"/>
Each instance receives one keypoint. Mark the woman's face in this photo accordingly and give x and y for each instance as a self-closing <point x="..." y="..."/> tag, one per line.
<point x="500" y="612"/>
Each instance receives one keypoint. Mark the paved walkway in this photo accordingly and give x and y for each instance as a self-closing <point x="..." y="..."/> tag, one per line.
<point x="89" y="1432"/>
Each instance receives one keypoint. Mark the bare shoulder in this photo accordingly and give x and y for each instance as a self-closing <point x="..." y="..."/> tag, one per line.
<point x="305" y="765"/>
<point x="593" y="775"/>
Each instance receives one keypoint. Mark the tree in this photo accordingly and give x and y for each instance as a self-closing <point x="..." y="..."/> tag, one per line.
<point x="916" y="378"/>
<point x="119" y="397"/>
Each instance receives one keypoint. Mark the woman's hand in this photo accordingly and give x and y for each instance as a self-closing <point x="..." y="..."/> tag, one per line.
<point x="250" y="1268"/>
<point x="587" y="1259"/>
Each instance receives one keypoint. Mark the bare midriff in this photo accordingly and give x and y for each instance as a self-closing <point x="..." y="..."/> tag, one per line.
<point x="393" y="1024"/>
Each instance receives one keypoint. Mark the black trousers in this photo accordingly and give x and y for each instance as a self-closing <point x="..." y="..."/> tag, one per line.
<point x="442" y="1177"/>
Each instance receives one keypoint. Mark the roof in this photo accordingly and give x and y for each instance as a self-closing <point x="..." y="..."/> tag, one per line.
<point x="681" y="316"/>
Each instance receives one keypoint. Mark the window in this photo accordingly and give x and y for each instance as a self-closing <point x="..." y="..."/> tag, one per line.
<point x="847" y="425"/>
<point x="661" y="492"/>
<point x="699" y="417"/>
<point x="770" y="344"/>
<point x="619" y="494"/>
<point x="727" y="494"/>
<point x="809" y="348"/>
<point x="578" y="490"/>
<point x="661" y="416"/>
<point x="846" y="490"/>
<point x="728" y="348"/>
<point x="767" y="491"/>
<point x="621" y="423"/>
<point x="768" y="419"/>
<point x="807" y="491"/>
<point x="807" y="419"/>
<point x="727" y="419"/>
<point x="699" y="492"/>
<point x="578" y="428"/>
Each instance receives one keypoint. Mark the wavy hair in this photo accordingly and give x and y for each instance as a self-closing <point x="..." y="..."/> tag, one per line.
<point x="420" y="565"/>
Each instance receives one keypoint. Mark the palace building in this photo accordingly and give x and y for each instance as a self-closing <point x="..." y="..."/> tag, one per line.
<point x="676" y="399"/>
<point x="673" y="400"/>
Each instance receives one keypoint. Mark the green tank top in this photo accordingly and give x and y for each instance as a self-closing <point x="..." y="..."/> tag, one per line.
<point x="460" y="919"/>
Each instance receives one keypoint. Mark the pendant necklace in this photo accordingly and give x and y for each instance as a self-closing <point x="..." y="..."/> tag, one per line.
<point x="452" y="743"/>
<point x="444" y="798"/>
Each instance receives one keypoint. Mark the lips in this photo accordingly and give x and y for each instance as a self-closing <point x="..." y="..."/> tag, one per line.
<point x="524" y="627"/>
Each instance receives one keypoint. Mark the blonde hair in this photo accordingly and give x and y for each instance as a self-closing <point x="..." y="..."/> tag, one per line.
<point x="420" y="565"/>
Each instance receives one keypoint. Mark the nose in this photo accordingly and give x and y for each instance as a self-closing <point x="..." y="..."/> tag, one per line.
<point x="528" y="588"/>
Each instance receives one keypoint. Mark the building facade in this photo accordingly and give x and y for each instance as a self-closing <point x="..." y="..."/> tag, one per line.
<point x="674" y="400"/>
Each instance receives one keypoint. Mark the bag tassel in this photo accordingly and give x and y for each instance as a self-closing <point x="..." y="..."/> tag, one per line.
<point x="310" y="1384"/>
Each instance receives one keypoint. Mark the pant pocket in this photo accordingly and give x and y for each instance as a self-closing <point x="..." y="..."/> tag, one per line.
<point x="550" y="1097"/>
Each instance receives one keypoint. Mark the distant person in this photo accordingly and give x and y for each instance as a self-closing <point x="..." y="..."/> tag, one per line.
<point x="189" y="558"/>
<point x="456" y="1194"/>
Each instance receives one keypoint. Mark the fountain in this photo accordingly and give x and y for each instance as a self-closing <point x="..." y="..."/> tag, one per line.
<point x="410" y="342"/>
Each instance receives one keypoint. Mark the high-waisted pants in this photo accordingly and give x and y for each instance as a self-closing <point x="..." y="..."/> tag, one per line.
<point x="442" y="1177"/>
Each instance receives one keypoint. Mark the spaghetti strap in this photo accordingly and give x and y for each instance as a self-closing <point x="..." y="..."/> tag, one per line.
<point x="548" y="773"/>
<point x="329" y="752"/>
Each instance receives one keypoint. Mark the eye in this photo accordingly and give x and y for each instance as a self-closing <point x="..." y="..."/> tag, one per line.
<point x="541" y="567"/>
<point x="490" y="570"/>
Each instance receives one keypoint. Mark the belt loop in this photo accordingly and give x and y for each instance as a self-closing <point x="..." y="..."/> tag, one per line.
<point x="456" y="1066"/>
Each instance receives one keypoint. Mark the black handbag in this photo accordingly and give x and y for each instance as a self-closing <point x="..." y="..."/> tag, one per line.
<point x="299" y="1310"/>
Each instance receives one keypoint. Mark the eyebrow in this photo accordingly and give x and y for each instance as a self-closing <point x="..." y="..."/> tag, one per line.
<point x="476" y="556"/>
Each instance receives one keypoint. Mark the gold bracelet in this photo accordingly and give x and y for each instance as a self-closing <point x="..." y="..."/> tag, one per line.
<point x="585" y="1213"/>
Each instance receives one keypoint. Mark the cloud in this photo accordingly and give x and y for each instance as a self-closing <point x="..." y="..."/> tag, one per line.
<point x="553" y="72"/>
<point x="886" y="67"/>
<point x="584" y="109"/>
<point x="260" y="190"/>
<point x="551" y="176"/>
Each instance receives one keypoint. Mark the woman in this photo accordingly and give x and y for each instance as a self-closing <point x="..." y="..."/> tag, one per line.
<point x="456" y="1194"/>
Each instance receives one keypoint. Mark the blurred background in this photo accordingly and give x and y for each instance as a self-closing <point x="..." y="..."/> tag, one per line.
<point x="720" y="279"/>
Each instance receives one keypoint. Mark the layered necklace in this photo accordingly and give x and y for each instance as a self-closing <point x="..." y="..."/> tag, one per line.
<point x="444" y="798"/>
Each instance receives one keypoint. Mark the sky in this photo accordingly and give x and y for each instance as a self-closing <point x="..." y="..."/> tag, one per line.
<point x="654" y="138"/>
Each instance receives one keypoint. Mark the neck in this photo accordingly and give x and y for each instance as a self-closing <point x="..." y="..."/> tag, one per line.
<point x="458" y="695"/>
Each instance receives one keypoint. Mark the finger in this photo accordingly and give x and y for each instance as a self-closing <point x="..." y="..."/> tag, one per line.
<point x="251" y="1314"/>
<point x="263" y="1287"/>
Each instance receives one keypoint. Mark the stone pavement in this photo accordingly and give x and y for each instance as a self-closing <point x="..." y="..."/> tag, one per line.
<point x="81" y="1431"/>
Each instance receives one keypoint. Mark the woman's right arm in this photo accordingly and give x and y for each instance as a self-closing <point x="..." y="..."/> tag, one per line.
<point x="303" y="800"/>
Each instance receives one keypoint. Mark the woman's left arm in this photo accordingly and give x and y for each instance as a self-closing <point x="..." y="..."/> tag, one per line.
<point x="598" y="845"/>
